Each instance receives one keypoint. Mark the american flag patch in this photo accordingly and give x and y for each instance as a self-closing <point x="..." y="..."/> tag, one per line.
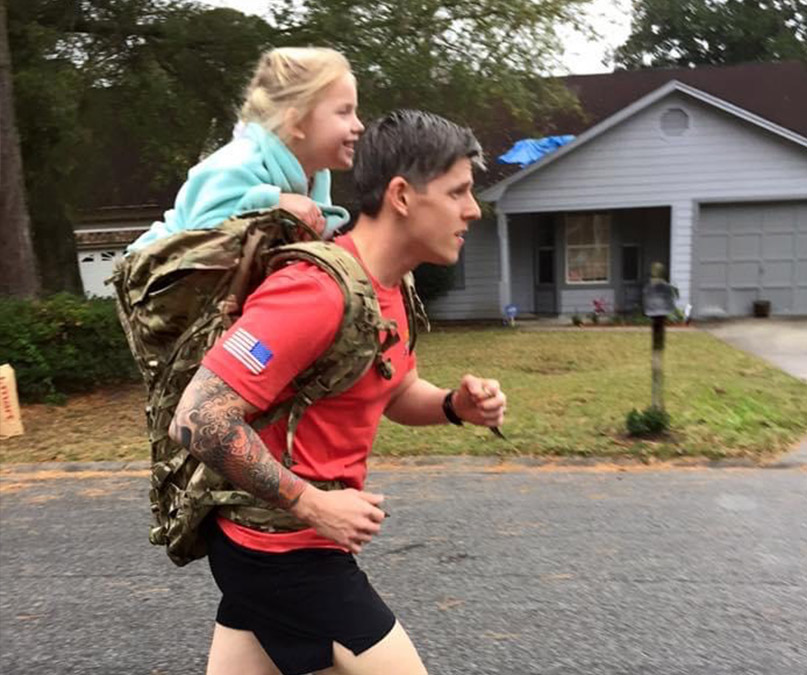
<point x="249" y="350"/>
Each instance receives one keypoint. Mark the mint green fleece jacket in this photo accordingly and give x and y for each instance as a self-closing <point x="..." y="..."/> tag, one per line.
<point x="248" y="173"/>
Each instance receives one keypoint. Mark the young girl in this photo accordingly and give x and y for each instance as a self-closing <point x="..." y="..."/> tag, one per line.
<point x="298" y="121"/>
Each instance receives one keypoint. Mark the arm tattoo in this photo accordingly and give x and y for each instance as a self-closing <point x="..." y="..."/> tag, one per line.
<point x="209" y="421"/>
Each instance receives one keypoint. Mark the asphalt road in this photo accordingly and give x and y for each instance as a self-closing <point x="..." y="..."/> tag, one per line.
<point x="552" y="572"/>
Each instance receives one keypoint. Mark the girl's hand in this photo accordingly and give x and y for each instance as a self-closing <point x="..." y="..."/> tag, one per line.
<point x="305" y="209"/>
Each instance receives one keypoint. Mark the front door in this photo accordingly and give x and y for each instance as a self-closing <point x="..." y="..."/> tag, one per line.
<point x="544" y="269"/>
<point x="631" y="279"/>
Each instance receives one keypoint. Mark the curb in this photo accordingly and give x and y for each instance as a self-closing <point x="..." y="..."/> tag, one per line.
<point x="794" y="459"/>
<point x="75" y="467"/>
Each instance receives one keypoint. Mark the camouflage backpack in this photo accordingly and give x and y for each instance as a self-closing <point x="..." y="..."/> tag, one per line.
<point x="177" y="296"/>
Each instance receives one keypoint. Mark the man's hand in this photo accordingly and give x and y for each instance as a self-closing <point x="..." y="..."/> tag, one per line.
<point x="305" y="209"/>
<point x="349" y="517"/>
<point x="480" y="402"/>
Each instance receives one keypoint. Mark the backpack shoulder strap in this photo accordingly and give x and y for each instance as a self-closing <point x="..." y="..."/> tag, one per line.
<point x="357" y="345"/>
<point x="415" y="311"/>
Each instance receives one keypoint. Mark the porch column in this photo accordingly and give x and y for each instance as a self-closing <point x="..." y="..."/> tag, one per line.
<point x="505" y="294"/>
<point x="682" y="217"/>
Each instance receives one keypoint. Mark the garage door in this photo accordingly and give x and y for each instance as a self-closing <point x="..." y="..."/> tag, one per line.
<point x="746" y="252"/>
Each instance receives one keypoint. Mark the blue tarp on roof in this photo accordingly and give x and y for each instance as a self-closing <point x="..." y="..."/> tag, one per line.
<point x="530" y="150"/>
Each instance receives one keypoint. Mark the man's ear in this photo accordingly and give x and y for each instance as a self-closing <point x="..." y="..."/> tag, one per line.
<point x="291" y="123"/>
<point x="397" y="195"/>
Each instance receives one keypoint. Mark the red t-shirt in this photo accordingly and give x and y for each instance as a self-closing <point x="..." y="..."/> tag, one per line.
<point x="287" y="323"/>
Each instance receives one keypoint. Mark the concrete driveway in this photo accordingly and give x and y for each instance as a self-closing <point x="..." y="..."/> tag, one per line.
<point x="780" y="342"/>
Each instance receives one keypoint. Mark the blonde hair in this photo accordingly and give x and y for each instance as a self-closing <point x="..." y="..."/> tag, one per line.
<point x="290" y="77"/>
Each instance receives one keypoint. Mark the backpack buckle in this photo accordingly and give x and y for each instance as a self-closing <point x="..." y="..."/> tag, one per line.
<point x="385" y="367"/>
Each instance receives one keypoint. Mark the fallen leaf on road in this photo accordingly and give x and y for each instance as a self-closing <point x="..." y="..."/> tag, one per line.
<point x="449" y="603"/>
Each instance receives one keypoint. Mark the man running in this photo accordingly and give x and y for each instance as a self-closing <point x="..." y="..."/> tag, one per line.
<point x="296" y="602"/>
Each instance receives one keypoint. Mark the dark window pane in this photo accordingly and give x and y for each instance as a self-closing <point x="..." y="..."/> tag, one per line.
<point x="546" y="266"/>
<point x="545" y="235"/>
<point x="630" y="263"/>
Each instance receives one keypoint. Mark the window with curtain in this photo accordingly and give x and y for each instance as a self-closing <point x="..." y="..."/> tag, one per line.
<point x="588" y="248"/>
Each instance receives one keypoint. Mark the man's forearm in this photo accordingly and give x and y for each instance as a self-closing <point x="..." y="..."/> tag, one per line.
<point x="210" y="423"/>
<point x="420" y="404"/>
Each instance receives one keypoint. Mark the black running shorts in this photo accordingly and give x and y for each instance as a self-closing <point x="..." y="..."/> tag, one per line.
<point x="297" y="604"/>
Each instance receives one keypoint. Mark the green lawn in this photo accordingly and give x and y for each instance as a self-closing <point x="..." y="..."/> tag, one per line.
<point x="568" y="394"/>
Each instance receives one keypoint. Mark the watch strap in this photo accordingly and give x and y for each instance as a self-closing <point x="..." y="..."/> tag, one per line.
<point x="448" y="409"/>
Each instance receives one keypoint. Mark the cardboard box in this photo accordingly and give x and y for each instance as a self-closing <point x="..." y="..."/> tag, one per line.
<point x="10" y="419"/>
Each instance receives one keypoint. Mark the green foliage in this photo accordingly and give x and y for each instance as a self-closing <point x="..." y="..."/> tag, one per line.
<point x="648" y="422"/>
<point x="114" y="102"/>
<point x="48" y="110"/>
<point x="168" y="75"/>
<point x="465" y="59"/>
<point x="577" y="320"/>
<point x="714" y="32"/>
<point x="433" y="281"/>
<point x="677" y="317"/>
<point x="636" y="318"/>
<point x="63" y="344"/>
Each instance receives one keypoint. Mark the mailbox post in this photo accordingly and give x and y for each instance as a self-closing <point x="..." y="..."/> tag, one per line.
<point x="659" y="302"/>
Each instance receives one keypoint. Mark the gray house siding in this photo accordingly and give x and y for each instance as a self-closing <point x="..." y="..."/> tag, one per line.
<point x="480" y="296"/>
<point x="718" y="157"/>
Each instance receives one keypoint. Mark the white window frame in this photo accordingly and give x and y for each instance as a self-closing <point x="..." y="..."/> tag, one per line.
<point x="569" y="248"/>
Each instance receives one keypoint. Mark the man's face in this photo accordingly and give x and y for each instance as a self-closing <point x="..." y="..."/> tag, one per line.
<point x="439" y="214"/>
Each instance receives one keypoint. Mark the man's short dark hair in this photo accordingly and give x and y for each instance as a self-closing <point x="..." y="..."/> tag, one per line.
<point x="416" y="145"/>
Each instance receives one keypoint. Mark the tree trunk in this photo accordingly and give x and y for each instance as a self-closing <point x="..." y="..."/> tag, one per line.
<point x="18" y="272"/>
<point x="55" y="246"/>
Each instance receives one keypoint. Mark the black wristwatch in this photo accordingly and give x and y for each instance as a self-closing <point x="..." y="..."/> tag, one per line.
<point x="448" y="410"/>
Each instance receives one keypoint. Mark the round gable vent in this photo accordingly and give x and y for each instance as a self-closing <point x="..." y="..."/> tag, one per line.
<point x="674" y="122"/>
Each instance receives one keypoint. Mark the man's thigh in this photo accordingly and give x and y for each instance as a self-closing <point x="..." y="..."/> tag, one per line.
<point x="393" y="655"/>
<point x="238" y="652"/>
